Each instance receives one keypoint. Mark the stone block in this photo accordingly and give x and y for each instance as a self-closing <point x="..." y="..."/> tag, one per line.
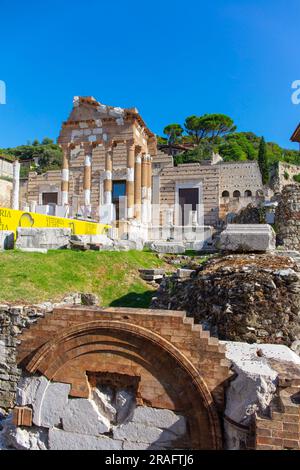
<point x="248" y="238"/>
<point x="43" y="238"/>
<point x="141" y="433"/>
<point x="164" y="419"/>
<point x="255" y="384"/>
<point x="6" y="240"/>
<point x="62" y="440"/>
<point x="152" y="272"/>
<point x="166" y="247"/>
<point x="43" y="251"/>
<point x="184" y="273"/>
<point x="82" y="416"/>
<point x="149" y="277"/>
<point x="48" y="399"/>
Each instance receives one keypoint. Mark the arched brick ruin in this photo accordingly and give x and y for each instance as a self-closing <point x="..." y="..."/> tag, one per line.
<point x="173" y="371"/>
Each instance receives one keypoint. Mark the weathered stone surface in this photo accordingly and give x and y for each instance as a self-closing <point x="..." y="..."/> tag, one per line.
<point x="166" y="247"/>
<point x="251" y="298"/>
<point x="152" y="272"/>
<point x="164" y="419"/>
<point x="62" y="440"/>
<point x="48" y="401"/>
<point x="27" y="389"/>
<point x="115" y="406"/>
<point x="184" y="273"/>
<point x="104" y="399"/>
<point x="43" y="238"/>
<point x="139" y="432"/>
<point x="251" y="392"/>
<point x="248" y="238"/>
<point x="101" y="240"/>
<point x="22" y="438"/>
<point x="6" y="240"/>
<point x="82" y="416"/>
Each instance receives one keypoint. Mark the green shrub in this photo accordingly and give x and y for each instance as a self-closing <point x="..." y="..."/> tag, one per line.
<point x="296" y="178"/>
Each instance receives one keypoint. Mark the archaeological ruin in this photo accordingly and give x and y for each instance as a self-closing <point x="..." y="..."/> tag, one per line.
<point x="213" y="363"/>
<point x="113" y="172"/>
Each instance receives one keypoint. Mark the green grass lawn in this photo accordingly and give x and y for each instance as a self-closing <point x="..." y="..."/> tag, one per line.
<point x="113" y="276"/>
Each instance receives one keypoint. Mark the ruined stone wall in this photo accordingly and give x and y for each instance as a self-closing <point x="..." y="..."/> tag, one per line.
<point x="129" y="379"/>
<point x="240" y="177"/>
<point x="109" y="357"/>
<point x="283" y="175"/>
<point x="287" y="218"/>
<point x="251" y="298"/>
<point x="6" y="168"/>
<point x="5" y="193"/>
<point x="13" y="319"/>
<point x="250" y="214"/>
<point x="280" y="428"/>
<point x="47" y="182"/>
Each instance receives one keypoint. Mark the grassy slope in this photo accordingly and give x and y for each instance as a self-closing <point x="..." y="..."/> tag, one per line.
<point x="35" y="277"/>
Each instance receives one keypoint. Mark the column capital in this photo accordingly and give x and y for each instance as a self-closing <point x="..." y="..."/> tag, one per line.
<point x="130" y="143"/>
<point x="110" y="145"/>
<point x="87" y="146"/>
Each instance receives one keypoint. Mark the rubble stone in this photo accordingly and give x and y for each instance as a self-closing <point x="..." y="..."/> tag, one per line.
<point x="252" y="298"/>
<point x="6" y="240"/>
<point x="287" y="218"/>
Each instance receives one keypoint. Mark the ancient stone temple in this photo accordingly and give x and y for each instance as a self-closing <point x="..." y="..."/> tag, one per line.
<point x="113" y="172"/>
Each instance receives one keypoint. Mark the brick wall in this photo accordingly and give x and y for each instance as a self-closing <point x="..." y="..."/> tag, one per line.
<point x="179" y="366"/>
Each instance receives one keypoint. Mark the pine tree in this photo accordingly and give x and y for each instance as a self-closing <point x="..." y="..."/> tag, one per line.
<point x="263" y="161"/>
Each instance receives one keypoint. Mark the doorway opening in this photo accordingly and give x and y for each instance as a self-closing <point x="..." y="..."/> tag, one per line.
<point x="188" y="200"/>
<point x="118" y="193"/>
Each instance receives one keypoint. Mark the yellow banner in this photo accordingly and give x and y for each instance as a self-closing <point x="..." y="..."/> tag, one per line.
<point x="11" y="219"/>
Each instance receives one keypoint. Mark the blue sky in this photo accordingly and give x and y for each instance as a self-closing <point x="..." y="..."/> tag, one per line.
<point x="170" y="59"/>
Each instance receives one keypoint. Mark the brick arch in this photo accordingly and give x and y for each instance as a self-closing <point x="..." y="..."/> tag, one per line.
<point x="181" y="379"/>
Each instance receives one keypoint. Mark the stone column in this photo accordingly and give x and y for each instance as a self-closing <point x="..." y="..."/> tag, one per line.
<point x="65" y="179"/>
<point x="144" y="187"/>
<point x="149" y="189"/>
<point x="16" y="185"/>
<point x="87" y="180"/>
<point x="138" y="187"/>
<point x="108" y="174"/>
<point x="130" y="179"/>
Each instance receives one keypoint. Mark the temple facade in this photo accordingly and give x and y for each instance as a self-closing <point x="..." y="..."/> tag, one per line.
<point x="113" y="172"/>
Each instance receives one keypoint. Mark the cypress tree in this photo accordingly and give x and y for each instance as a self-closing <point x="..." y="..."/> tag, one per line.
<point x="263" y="161"/>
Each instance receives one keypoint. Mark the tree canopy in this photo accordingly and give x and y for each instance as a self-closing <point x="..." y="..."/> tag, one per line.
<point x="173" y="131"/>
<point x="217" y="132"/>
<point x="41" y="156"/>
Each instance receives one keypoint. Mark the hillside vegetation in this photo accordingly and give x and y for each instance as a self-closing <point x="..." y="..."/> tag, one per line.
<point x="218" y="133"/>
